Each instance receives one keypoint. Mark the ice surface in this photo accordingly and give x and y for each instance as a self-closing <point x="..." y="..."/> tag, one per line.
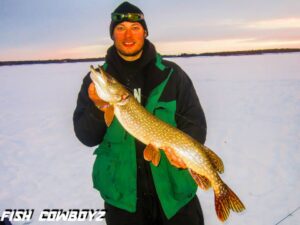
<point x="252" y="106"/>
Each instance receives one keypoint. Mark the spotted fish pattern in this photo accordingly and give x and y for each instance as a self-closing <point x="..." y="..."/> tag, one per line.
<point x="181" y="149"/>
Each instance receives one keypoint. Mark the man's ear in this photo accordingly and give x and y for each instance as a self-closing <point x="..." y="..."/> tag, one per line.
<point x="145" y="34"/>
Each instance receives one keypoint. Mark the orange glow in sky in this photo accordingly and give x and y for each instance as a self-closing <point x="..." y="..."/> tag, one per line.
<point x="83" y="33"/>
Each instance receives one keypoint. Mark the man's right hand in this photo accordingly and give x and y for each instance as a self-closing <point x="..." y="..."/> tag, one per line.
<point x="94" y="96"/>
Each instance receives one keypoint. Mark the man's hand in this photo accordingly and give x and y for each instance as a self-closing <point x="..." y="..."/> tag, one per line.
<point x="94" y="96"/>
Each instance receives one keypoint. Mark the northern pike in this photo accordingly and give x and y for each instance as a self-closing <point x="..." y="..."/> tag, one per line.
<point x="181" y="149"/>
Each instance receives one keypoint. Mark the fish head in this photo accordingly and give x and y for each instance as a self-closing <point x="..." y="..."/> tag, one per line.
<point x="108" y="88"/>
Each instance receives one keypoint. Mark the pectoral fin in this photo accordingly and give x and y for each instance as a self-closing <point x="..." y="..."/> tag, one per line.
<point x="151" y="153"/>
<point x="108" y="114"/>
<point x="108" y="111"/>
<point x="215" y="160"/>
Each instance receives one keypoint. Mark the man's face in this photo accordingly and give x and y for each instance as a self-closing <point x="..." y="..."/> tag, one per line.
<point x="129" y="38"/>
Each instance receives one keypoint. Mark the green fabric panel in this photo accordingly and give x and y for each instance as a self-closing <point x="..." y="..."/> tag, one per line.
<point x="175" y="187"/>
<point x="158" y="63"/>
<point x="105" y="65"/>
<point x="114" y="171"/>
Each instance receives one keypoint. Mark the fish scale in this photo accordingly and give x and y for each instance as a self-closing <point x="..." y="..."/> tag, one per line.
<point x="181" y="149"/>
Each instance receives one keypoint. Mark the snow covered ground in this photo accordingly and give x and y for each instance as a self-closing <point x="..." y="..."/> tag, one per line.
<point x="252" y="105"/>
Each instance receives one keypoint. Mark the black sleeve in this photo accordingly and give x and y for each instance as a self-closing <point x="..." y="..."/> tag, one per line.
<point x="190" y="117"/>
<point x="88" y="120"/>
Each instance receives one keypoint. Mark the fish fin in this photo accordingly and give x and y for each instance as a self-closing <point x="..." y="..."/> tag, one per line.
<point x="152" y="153"/>
<point x="174" y="159"/>
<point x="235" y="203"/>
<point x="156" y="158"/>
<point x="215" y="160"/>
<point x="148" y="152"/>
<point x="226" y="199"/>
<point x="108" y="114"/>
<point x="201" y="181"/>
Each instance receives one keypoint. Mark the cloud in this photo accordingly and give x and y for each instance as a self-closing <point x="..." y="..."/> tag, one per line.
<point x="85" y="51"/>
<point x="281" y="23"/>
<point x="218" y="45"/>
<point x="45" y="53"/>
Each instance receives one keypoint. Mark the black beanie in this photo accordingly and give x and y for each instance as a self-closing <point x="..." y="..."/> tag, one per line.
<point x="125" y="8"/>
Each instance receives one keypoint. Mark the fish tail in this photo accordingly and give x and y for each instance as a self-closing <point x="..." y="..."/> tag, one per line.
<point x="226" y="200"/>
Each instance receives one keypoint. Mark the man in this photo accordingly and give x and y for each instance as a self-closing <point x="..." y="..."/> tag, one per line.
<point x="135" y="191"/>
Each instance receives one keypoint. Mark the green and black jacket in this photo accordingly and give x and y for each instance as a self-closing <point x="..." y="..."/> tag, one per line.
<point x="120" y="173"/>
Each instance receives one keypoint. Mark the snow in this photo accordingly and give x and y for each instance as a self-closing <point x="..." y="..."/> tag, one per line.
<point x="252" y="106"/>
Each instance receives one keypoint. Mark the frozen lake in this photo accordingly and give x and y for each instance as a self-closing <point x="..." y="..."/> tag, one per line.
<point x="252" y="106"/>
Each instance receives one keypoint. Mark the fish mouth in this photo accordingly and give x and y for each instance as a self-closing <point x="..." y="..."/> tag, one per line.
<point x="98" y="77"/>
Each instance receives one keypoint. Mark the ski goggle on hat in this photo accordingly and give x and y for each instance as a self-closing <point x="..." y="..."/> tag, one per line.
<point x="132" y="17"/>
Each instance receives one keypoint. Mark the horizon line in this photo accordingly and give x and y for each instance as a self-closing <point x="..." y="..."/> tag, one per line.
<point x="221" y="53"/>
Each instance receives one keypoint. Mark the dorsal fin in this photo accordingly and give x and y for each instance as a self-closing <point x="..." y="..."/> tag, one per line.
<point x="215" y="160"/>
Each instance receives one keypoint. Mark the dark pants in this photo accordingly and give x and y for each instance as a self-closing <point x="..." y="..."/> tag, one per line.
<point x="149" y="212"/>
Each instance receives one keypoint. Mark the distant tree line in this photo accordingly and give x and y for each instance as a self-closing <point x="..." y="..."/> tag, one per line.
<point x="226" y="53"/>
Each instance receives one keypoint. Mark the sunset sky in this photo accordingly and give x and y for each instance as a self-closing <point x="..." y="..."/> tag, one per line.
<point x="56" y="29"/>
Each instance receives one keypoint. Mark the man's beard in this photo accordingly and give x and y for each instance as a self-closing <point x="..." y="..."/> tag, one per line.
<point x="130" y="54"/>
